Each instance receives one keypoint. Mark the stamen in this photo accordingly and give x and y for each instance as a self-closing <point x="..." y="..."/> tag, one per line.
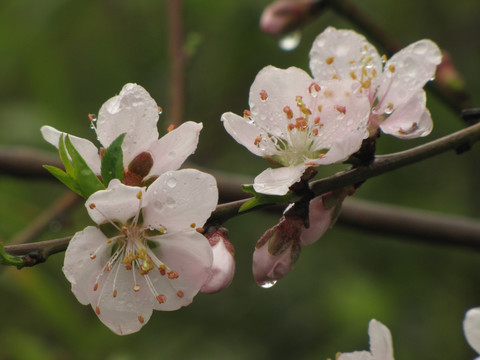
<point x="288" y="112"/>
<point x="329" y="60"/>
<point x="192" y="225"/>
<point x="263" y="95"/>
<point x="141" y="319"/>
<point x="257" y="141"/>
<point x="161" y="298"/>
<point x="95" y="287"/>
<point x="180" y="293"/>
<point x="311" y="163"/>
<point x="391" y="67"/>
<point x="170" y="127"/>
<point x="353" y="76"/>
<point x="313" y="87"/>
<point x="200" y="230"/>
<point x="247" y="113"/>
<point x="115" y="293"/>
<point x="172" y="275"/>
<point x="340" y="109"/>
<point x="136" y="288"/>
<point x="97" y="310"/>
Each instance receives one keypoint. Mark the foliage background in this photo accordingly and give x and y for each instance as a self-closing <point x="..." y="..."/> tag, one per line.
<point x="61" y="59"/>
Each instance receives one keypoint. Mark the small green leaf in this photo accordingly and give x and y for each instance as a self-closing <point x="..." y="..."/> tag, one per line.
<point x="262" y="199"/>
<point x="64" y="178"/>
<point x="112" y="161"/>
<point x="86" y="179"/>
<point x="64" y="156"/>
<point x="7" y="259"/>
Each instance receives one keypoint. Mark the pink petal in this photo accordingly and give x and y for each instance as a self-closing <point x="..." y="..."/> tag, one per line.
<point x="171" y="150"/>
<point x="320" y="220"/>
<point x="411" y="120"/>
<point x="406" y="73"/>
<point x="471" y="328"/>
<point x="86" y="148"/>
<point x="118" y="202"/>
<point x="278" y="181"/>
<point x="189" y="254"/>
<point x="380" y="341"/>
<point x="342" y="54"/>
<point x="180" y="200"/>
<point x="245" y="132"/>
<point x="279" y="88"/>
<point x="357" y="355"/>
<point x="85" y="258"/>
<point x="134" y="112"/>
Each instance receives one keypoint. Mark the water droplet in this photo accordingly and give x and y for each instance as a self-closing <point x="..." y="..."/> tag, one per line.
<point x="420" y="48"/>
<point x="290" y="41"/>
<point x="158" y="204"/>
<point x="432" y="78"/>
<point x="160" y="110"/>
<point x="170" y="202"/>
<point x="268" y="284"/>
<point x="389" y="108"/>
<point x="172" y="182"/>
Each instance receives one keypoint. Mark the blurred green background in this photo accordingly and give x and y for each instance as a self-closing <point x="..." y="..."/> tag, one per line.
<point x="61" y="59"/>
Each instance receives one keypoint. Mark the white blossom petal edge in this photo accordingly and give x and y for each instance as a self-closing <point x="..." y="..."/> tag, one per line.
<point x="471" y="328"/>
<point x="135" y="113"/>
<point x="392" y="86"/>
<point x="296" y="122"/>
<point x="152" y="258"/>
<point x="381" y="347"/>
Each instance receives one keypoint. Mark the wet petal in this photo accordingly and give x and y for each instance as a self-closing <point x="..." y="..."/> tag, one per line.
<point x="380" y="341"/>
<point x="357" y="355"/>
<point x="179" y="199"/>
<point x="134" y="112"/>
<point x="85" y="258"/>
<point x="410" y="120"/>
<point x="320" y="220"/>
<point x="118" y="202"/>
<point x="406" y="73"/>
<point x="171" y="150"/>
<point x="86" y="148"/>
<point x="471" y="328"/>
<point x="343" y="54"/>
<point x="189" y="254"/>
<point x="278" y="181"/>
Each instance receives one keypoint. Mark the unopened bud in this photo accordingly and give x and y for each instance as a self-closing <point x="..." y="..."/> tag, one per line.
<point x="223" y="267"/>
<point x="141" y="164"/>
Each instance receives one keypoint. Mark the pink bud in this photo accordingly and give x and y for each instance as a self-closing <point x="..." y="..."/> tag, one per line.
<point x="223" y="267"/>
<point x="277" y="251"/>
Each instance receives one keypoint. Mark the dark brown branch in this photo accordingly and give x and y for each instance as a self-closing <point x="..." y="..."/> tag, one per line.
<point x="27" y="163"/>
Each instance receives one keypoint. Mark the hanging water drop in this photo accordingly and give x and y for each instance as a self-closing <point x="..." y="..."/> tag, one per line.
<point x="93" y="121"/>
<point x="290" y="41"/>
<point x="171" y="182"/>
<point x="268" y="284"/>
<point x="160" y="110"/>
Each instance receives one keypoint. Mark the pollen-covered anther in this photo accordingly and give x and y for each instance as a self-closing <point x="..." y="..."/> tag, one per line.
<point x="97" y="310"/>
<point x="162" y="269"/>
<point x="366" y="84"/>
<point x="340" y="109"/>
<point x="180" y="293"/>
<point x="319" y="108"/>
<point x="192" y="225"/>
<point x="313" y="88"/>
<point x="108" y="267"/>
<point x="124" y="228"/>
<point x="172" y="275"/>
<point x="92" y="206"/>
<point x="329" y="60"/>
<point x="321" y="155"/>
<point x="115" y="293"/>
<point x="160" y="110"/>
<point x="93" y="256"/>
<point x="315" y="132"/>
<point x="263" y="95"/>
<point x="353" y="75"/>
<point x="170" y="127"/>
<point x="141" y="320"/>
<point x="139" y="195"/>
<point x="257" y="141"/>
<point x="384" y="58"/>
<point x="91" y="117"/>
<point x="317" y="121"/>
<point x="391" y="68"/>
<point x="291" y="126"/>
<point x="301" y="123"/>
<point x="288" y="111"/>
<point x="136" y="288"/>
<point x="161" y="299"/>
<point x="95" y="287"/>
<point x="310" y="163"/>
<point x="247" y="113"/>
<point x="200" y="230"/>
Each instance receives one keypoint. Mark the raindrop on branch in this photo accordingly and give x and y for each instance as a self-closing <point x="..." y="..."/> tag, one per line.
<point x="290" y="41"/>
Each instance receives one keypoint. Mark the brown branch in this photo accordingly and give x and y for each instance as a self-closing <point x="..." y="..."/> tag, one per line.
<point x="27" y="163"/>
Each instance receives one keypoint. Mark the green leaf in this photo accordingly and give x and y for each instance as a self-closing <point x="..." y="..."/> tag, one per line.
<point x="262" y="199"/>
<point x="86" y="179"/>
<point x="64" y="156"/>
<point x="112" y="161"/>
<point x="64" y="178"/>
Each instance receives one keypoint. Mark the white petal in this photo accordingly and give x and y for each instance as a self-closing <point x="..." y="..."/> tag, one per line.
<point x="281" y="88"/>
<point x="413" y="67"/>
<point x="134" y="112"/>
<point x="278" y="181"/>
<point x="86" y="148"/>
<point x="118" y="305"/>
<point x="380" y="341"/>
<point x="190" y="255"/>
<point x="245" y="132"/>
<point x="471" y="328"/>
<point x="223" y="269"/>
<point x="118" y="202"/>
<point x="411" y="120"/>
<point x="347" y="53"/>
<point x="79" y="267"/>
<point x="180" y="198"/>
<point x="357" y="355"/>
<point x="170" y="151"/>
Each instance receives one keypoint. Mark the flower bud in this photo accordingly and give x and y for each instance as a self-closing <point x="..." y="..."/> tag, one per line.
<point x="138" y="168"/>
<point x="223" y="267"/>
<point x="277" y="251"/>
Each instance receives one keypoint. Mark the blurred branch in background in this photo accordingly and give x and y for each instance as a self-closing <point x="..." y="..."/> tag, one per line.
<point x="385" y="219"/>
<point x="284" y="16"/>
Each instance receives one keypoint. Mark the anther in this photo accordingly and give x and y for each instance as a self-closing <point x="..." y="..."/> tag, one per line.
<point x="172" y="275"/>
<point x="200" y="230"/>
<point x="340" y="109"/>
<point x="257" y="141"/>
<point x="108" y="267"/>
<point x="93" y="256"/>
<point x="160" y="110"/>
<point x="311" y="163"/>
<point x="95" y="287"/>
<point x="263" y="95"/>
<point x="136" y="288"/>
<point x="288" y="112"/>
<point x="334" y="77"/>
<point x="139" y="195"/>
<point x="319" y="108"/>
<point x="115" y="293"/>
<point x="313" y="86"/>
<point x="92" y="206"/>
<point x="161" y="298"/>
<point x="192" y="225"/>
<point x="247" y="113"/>
<point x="180" y="293"/>
<point x="170" y="127"/>
<point x="141" y="319"/>
<point x="162" y="269"/>
<point x="391" y="67"/>
<point x="97" y="310"/>
<point x="329" y="60"/>
<point x="353" y="76"/>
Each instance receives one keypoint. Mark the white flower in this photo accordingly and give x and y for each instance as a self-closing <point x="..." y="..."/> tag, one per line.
<point x="381" y="347"/>
<point x="471" y="328"/>
<point x="297" y="122"/>
<point x="135" y="113"/>
<point x="146" y="253"/>
<point x="394" y="87"/>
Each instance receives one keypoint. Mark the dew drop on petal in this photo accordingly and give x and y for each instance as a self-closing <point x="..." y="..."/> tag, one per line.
<point x="420" y="48"/>
<point x="158" y="204"/>
<point x="172" y="182"/>
<point x="170" y="202"/>
<point x="290" y="41"/>
<point x="268" y="284"/>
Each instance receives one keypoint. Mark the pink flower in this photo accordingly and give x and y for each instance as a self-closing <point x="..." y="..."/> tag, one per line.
<point x="381" y="347"/>
<point x="145" y="254"/>
<point x="394" y="87"/>
<point x="297" y="122"/>
<point x="223" y="267"/>
<point x="135" y="113"/>
<point x="471" y="328"/>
